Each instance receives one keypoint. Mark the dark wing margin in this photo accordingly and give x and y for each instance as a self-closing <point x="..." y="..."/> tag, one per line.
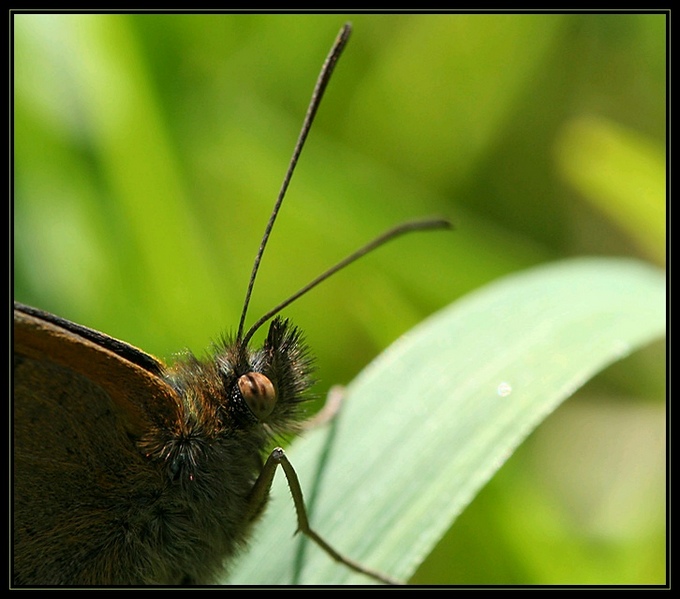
<point x="121" y="348"/>
<point x="132" y="379"/>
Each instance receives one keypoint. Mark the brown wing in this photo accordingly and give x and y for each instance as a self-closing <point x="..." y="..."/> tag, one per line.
<point x="129" y="376"/>
<point x="79" y="408"/>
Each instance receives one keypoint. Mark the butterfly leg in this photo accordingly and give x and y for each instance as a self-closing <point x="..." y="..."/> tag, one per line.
<point x="260" y="492"/>
<point x="329" y="411"/>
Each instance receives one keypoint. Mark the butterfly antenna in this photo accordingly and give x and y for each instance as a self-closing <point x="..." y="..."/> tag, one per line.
<point x="407" y="227"/>
<point x="317" y="94"/>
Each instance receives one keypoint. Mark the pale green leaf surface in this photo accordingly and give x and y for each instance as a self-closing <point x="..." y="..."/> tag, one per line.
<point x="428" y="423"/>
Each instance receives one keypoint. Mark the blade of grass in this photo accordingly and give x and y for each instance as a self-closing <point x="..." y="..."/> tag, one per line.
<point x="429" y="422"/>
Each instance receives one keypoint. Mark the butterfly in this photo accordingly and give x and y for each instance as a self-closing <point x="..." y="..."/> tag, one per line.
<point x="129" y="471"/>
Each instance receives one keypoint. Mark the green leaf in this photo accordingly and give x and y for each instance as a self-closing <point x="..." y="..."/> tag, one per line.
<point x="427" y="424"/>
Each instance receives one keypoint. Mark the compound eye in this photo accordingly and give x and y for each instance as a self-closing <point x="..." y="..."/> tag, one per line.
<point x="258" y="392"/>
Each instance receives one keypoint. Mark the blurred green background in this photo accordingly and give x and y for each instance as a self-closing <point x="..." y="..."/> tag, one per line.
<point x="149" y="150"/>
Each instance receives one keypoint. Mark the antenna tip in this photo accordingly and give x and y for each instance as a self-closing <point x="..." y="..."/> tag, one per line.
<point x="344" y="34"/>
<point x="430" y="223"/>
